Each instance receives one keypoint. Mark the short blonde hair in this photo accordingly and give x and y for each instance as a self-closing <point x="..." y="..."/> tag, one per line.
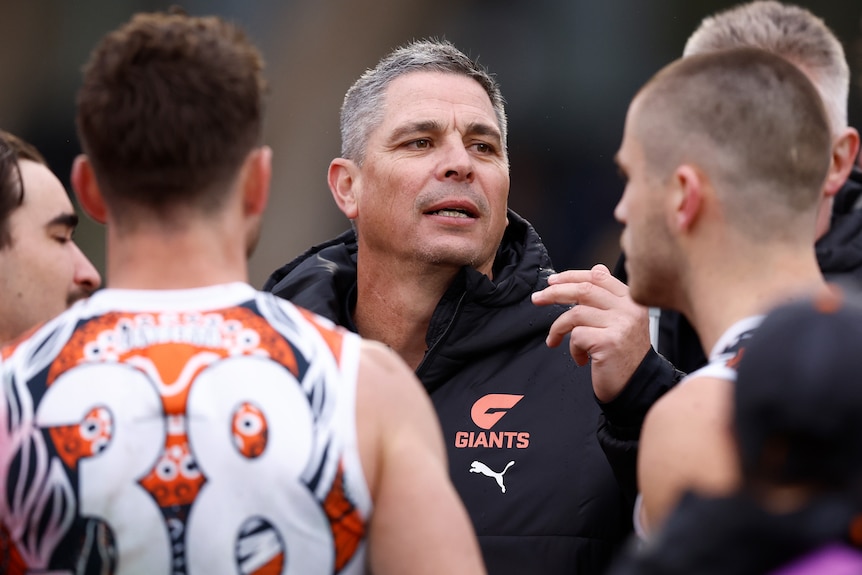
<point x="788" y="31"/>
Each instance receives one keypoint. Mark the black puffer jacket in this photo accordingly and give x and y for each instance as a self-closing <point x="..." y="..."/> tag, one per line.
<point x="839" y="251"/>
<point x="519" y="419"/>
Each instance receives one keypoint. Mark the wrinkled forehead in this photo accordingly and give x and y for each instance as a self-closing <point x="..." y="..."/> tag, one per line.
<point x="436" y="92"/>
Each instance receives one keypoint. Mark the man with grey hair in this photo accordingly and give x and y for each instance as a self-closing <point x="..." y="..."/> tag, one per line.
<point x="439" y="269"/>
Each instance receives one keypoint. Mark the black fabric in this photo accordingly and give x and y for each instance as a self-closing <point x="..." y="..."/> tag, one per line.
<point x="798" y="392"/>
<point x="839" y="251"/>
<point x="562" y="510"/>
<point x="678" y="341"/>
<point x="734" y="536"/>
<point x="621" y="419"/>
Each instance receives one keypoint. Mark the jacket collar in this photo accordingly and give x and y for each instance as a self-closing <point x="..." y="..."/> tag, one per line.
<point x="839" y="251"/>
<point x="475" y="317"/>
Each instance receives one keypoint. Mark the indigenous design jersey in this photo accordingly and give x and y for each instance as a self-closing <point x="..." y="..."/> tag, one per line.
<point x="199" y="431"/>
<point x="723" y="361"/>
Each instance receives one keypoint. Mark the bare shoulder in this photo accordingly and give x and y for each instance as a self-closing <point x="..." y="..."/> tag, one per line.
<point x="689" y="414"/>
<point x="694" y="399"/>
<point x="379" y="359"/>
<point x="417" y="511"/>
<point x="392" y="408"/>
<point x="385" y="378"/>
<point x="385" y="383"/>
<point x="687" y="444"/>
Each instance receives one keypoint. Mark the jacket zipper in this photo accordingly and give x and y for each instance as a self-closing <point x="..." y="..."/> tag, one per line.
<point x="430" y="352"/>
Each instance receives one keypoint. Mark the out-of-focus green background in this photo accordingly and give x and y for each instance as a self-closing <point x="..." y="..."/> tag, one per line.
<point x="568" y="69"/>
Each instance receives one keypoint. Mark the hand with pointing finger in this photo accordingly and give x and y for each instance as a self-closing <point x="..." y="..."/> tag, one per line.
<point x="606" y="327"/>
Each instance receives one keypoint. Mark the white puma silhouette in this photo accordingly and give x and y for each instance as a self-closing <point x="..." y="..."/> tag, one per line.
<point x="479" y="467"/>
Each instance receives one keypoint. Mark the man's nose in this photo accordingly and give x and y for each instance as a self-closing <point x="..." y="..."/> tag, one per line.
<point x="457" y="163"/>
<point x="86" y="276"/>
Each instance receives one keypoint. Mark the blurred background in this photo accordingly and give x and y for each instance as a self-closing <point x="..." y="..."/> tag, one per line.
<point x="567" y="68"/>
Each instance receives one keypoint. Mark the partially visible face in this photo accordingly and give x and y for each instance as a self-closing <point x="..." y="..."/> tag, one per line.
<point x="651" y="258"/>
<point x="43" y="271"/>
<point x="434" y="185"/>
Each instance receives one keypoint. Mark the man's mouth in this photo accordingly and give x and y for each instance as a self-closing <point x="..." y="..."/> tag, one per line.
<point x="452" y="213"/>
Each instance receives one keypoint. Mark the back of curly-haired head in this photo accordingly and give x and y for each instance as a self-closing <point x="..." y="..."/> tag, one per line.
<point x="169" y="108"/>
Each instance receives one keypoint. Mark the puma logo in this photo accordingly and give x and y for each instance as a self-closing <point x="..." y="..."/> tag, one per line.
<point x="479" y="467"/>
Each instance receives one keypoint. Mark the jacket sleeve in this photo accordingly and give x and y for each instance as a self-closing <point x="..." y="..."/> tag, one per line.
<point x="621" y="419"/>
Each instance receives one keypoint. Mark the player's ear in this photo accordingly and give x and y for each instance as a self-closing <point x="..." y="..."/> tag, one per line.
<point x="342" y="178"/>
<point x="87" y="190"/>
<point x="257" y="175"/>
<point x="845" y="148"/>
<point x="688" y="196"/>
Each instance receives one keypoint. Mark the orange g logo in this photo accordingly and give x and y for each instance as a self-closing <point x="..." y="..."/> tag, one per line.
<point x="491" y="408"/>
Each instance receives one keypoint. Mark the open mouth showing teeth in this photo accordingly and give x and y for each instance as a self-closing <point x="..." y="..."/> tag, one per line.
<point x="452" y="213"/>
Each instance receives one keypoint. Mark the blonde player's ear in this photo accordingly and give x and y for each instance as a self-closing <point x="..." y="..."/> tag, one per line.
<point x="845" y="148"/>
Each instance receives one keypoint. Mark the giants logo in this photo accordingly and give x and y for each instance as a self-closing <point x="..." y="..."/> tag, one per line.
<point x="486" y="412"/>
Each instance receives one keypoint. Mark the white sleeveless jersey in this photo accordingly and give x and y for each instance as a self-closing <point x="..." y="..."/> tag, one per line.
<point x="727" y="351"/>
<point x="201" y="431"/>
<point x="723" y="360"/>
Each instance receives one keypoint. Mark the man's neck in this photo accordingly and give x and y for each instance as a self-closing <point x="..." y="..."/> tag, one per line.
<point x="156" y="259"/>
<point x="724" y="295"/>
<point x="394" y="304"/>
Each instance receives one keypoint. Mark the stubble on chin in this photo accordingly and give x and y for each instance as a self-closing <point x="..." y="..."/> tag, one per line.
<point x="76" y="296"/>
<point x="648" y="283"/>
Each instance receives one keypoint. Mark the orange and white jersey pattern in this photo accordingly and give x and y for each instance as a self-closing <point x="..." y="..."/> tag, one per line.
<point x="200" y="431"/>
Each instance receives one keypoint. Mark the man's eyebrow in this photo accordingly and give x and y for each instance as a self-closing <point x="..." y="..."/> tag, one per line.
<point x="432" y="126"/>
<point x="413" y="128"/>
<point x="483" y="129"/>
<point x="66" y="219"/>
